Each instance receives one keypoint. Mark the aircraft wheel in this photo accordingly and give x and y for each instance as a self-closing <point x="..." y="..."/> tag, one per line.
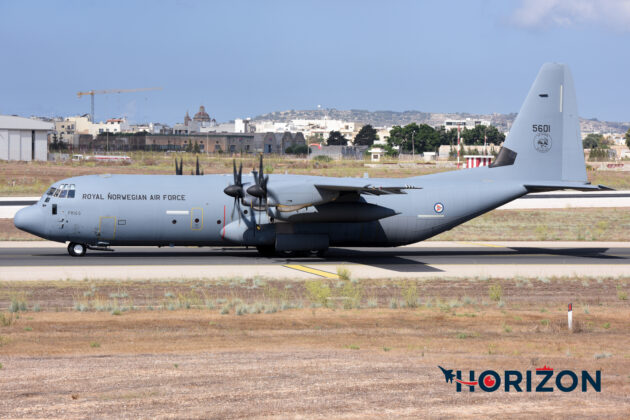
<point x="77" y="250"/>
<point x="319" y="252"/>
<point x="266" y="250"/>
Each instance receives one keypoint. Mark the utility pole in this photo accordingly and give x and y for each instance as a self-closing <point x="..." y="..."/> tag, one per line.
<point x="458" y="127"/>
<point x="413" y="147"/>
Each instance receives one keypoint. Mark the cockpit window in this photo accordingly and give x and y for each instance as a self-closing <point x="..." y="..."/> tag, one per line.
<point x="62" y="191"/>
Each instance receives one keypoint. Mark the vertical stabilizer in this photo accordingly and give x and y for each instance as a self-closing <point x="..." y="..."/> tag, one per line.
<point x="544" y="143"/>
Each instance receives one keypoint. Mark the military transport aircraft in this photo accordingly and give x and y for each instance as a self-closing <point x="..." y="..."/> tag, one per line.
<point x="299" y="213"/>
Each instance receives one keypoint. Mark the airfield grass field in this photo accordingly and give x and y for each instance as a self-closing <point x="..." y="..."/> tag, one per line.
<point x="33" y="178"/>
<point x="240" y="347"/>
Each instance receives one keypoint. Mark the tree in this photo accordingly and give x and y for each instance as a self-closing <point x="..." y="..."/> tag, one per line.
<point x="448" y="137"/>
<point x="594" y="141"/>
<point x="475" y="136"/>
<point x="628" y="137"/>
<point x="335" y="138"/>
<point x="366" y="136"/>
<point x="298" y="149"/>
<point x="424" y="138"/>
<point x="196" y="148"/>
<point x="57" y="144"/>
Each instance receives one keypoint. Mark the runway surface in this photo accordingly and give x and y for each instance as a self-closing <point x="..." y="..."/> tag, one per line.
<point x="44" y="261"/>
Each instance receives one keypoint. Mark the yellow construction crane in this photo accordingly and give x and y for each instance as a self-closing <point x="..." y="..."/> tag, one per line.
<point x="100" y="92"/>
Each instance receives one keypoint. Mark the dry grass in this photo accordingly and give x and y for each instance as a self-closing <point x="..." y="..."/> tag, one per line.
<point x="305" y="362"/>
<point x="579" y="224"/>
<point x="33" y="178"/>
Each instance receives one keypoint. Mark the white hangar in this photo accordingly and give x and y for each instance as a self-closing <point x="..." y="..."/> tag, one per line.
<point x="23" y="138"/>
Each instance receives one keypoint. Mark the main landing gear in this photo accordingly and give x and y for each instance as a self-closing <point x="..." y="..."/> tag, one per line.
<point x="77" y="250"/>
<point x="269" y="251"/>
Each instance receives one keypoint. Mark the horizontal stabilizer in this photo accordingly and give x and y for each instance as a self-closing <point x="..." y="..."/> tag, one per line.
<point x="553" y="186"/>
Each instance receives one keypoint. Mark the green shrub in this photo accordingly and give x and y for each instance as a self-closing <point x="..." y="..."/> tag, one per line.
<point x="18" y="303"/>
<point x="351" y="294"/>
<point x="343" y="273"/>
<point x="495" y="292"/>
<point x="318" y="292"/>
<point x="322" y="158"/>
<point x="410" y="294"/>
<point x="6" y="320"/>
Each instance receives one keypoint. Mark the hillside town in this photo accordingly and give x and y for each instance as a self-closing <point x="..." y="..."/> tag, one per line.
<point x="411" y="134"/>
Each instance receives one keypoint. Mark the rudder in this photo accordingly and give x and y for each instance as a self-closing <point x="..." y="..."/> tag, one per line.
<point x="544" y="143"/>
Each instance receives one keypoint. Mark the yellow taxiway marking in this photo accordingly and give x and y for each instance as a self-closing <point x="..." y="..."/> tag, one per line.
<point x="314" y="271"/>
<point x="480" y="244"/>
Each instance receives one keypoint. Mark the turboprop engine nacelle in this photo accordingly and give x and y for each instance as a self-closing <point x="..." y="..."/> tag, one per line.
<point x="246" y="234"/>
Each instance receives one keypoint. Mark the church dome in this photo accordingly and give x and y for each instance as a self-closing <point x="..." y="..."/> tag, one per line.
<point x="202" y="115"/>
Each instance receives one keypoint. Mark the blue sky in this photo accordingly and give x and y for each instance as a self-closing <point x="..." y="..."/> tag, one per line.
<point x="244" y="58"/>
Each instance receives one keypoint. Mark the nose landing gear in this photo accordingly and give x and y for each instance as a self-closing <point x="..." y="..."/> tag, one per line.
<point x="77" y="250"/>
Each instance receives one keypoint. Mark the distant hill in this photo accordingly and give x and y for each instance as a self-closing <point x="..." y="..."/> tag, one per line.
<point x="391" y="118"/>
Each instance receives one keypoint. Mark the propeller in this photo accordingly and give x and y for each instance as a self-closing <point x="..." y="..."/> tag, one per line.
<point x="259" y="189"/>
<point x="197" y="171"/>
<point x="236" y="190"/>
<point x="179" y="168"/>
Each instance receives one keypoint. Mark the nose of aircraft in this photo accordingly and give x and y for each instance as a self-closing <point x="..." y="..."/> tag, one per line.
<point x="30" y="219"/>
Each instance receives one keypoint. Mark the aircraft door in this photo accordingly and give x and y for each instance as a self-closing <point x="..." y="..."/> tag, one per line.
<point x="106" y="228"/>
<point x="196" y="218"/>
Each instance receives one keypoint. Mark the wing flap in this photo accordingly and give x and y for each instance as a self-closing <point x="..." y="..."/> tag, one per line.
<point x="367" y="189"/>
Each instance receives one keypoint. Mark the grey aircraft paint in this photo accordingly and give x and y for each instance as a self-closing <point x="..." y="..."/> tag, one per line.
<point x="542" y="152"/>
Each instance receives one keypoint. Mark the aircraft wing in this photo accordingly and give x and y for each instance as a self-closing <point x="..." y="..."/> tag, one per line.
<point x="369" y="189"/>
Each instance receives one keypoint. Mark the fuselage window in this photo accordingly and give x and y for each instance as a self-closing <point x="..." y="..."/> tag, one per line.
<point x="71" y="191"/>
<point x="51" y="191"/>
<point x="54" y="209"/>
<point x="64" y="191"/>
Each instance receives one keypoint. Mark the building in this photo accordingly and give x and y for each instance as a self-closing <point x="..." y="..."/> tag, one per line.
<point x="200" y="123"/>
<point x="112" y="126"/>
<point x="377" y="153"/>
<point x="277" y="142"/>
<point x="24" y="138"/>
<point x="339" y="152"/>
<point x="209" y="142"/>
<point x="468" y="123"/>
<point x="310" y="128"/>
<point x="65" y="130"/>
